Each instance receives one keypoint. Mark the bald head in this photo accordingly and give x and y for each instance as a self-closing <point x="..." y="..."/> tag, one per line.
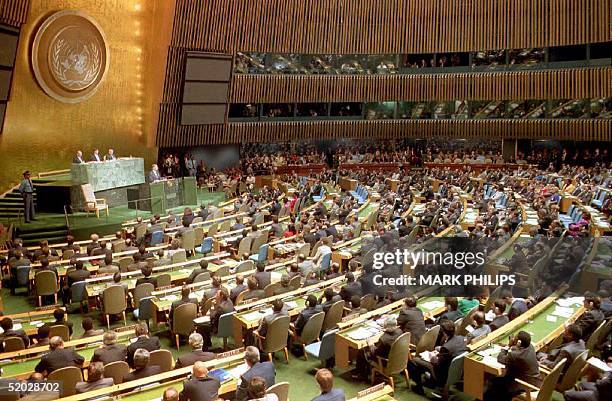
<point x="200" y="369"/>
<point x="170" y="394"/>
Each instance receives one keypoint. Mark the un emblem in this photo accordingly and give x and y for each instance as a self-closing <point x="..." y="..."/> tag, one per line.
<point x="69" y="56"/>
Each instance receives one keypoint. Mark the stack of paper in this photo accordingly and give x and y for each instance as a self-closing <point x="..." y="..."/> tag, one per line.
<point x="291" y="304"/>
<point x="430" y="305"/>
<point x="170" y="297"/>
<point x="563" y="312"/>
<point x="362" y="333"/>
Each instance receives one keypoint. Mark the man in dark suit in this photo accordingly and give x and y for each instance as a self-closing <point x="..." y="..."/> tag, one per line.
<point x="500" y="318"/>
<point x="593" y="316"/>
<point x="147" y="271"/>
<point x="253" y="292"/>
<point x="197" y="354"/>
<point x="185" y="291"/>
<point x="95" y="157"/>
<point x="263" y="277"/>
<point x="194" y="273"/>
<point x="439" y="361"/>
<point x="199" y="386"/>
<point x="95" y="379"/>
<point x="60" y="320"/>
<point x="352" y="288"/>
<point x="380" y="349"/>
<point x="78" y="159"/>
<point x="277" y="311"/>
<point x="143" y="341"/>
<point x="329" y="298"/>
<point x="451" y="313"/>
<point x="312" y="308"/>
<point x="58" y="357"/>
<point x="572" y="346"/>
<point x="141" y="366"/>
<point x="265" y="370"/>
<point x="518" y="306"/>
<point x="110" y="155"/>
<point x="521" y="363"/>
<point x="240" y="286"/>
<point x="110" y="351"/>
<point x="78" y="274"/>
<point x="284" y="285"/>
<point x="411" y="320"/>
<point x="8" y="331"/>
<point x="154" y="174"/>
<point x="222" y="306"/>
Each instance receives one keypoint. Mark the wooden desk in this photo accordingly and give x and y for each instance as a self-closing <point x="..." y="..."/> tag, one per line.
<point x="346" y="345"/>
<point x="534" y="321"/>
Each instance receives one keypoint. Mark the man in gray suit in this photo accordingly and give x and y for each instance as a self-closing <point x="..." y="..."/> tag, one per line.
<point x="26" y="189"/>
<point x="265" y="370"/>
<point x="154" y="174"/>
<point x="325" y="380"/>
<point x="197" y="354"/>
<point x="110" y="351"/>
<point x="572" y="346"/>
<point x="95" y="379"/>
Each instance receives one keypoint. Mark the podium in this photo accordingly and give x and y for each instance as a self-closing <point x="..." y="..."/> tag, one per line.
<point x="103" y="176"/>
<point x="157" y="197"/>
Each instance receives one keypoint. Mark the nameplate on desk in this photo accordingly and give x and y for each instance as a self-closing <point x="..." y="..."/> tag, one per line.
<point x="249" y="301"/>
<point x="166" y="287"/>
<point x="371" y="390"/>
<point x="230" y="353"/>
<point x="49" y="308"/>
<point x="348" y="318"/>
<point x="125" y="328"/>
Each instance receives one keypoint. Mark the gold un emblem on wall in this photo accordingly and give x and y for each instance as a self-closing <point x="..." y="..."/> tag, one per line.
<point x="69" y="56"/>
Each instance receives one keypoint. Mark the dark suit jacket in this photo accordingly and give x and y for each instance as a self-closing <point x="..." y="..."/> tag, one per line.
<point x="265" y="370"/>
<point x="383" y="346"/>
<point x="412" y="320"/>
<point x="77" y="275"/>
<point x="110" y="353"/>
<point x="194" y="274"/>
<point x="148" y="343"/>
<point x="451" y="315"/>
<point x="237" y="290"/>
<point x="349" y="290"/>
<point x="304" y="316"/>
<point x="149" y="370"/>
<point x="193" y="357"/>
<point x="589" y="321"/>
<point x="569" y="351"/>
<point x="521" y="363"/>
<point x="57" y="359"/>
<point x="220" y="309"/>
<point x="200" y="389"/>
<point x="83" y="387"/>
<point x="263" y="279"/>
<point x="14" y="333"/>
<point x="258" y="294"/>
<point x="149" y="280"/>
<point x="453" y="347"/>
<point x="498" y="322"/>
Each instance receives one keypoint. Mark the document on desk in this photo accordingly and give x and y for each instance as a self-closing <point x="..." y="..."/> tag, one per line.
<point x="569" y="302"/>
<point x="563" y="312"/>
<point x="491" y="361"/>
<point x="432" y="305"/>
<point x="291" y="304"/>
<point x="362" y="333"/>
<point x="551" y="318"/>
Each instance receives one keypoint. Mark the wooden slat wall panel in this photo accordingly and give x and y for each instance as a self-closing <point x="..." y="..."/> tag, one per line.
<point x="387" y="26"/>
<point x="590" y="130"/>
<point x="550" y="84"/>
<point x="14" y="12"/>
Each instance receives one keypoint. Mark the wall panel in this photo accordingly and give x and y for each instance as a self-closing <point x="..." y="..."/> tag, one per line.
<point x="14" y="12"/>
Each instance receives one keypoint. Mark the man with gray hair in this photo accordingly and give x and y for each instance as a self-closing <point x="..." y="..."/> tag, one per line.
<point x="110" y="351"/>
<point x="95" y="379"/>
<point x="170" y="394"/>
<point x="141" y="366"/>
<point x="143" y="341"/>
<point x="58" y="357"/>
<point x="264" y="370"/>
<point x="197" y="354"/>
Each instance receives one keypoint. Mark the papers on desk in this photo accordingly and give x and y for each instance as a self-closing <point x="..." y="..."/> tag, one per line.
<point x="362" y="333"/>
<point x="238" y="371"/>
<point x="258" y="314"/>
<point x="201" y="319"/>
<point x="492" y="351"/>
<point x="563" y="312"/>
<point x="37" y="323"/>
<point x="568" y="302"/>
<point x="599" y="364"/>
<point x="275" y="276"/>
<point x="170" y="297"/>
<point x="551" y="318"/>
<point x="430" y="305"/>
<point x="489" y="316"/>
<point x="291" y="304"/>
<point x="17" y="326"/>
<point x="491" y="361"/>
<point x="426" y="355"/>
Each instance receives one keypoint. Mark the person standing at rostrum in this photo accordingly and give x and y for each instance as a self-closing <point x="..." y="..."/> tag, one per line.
<point x="26" y="189"/>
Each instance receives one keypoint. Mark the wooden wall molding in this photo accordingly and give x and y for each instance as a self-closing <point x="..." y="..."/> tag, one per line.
<point x="14" y="12"/>
<point x="524" y="85"/>
<point x="387" y="26"/>
<point x="559" y="129"/>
